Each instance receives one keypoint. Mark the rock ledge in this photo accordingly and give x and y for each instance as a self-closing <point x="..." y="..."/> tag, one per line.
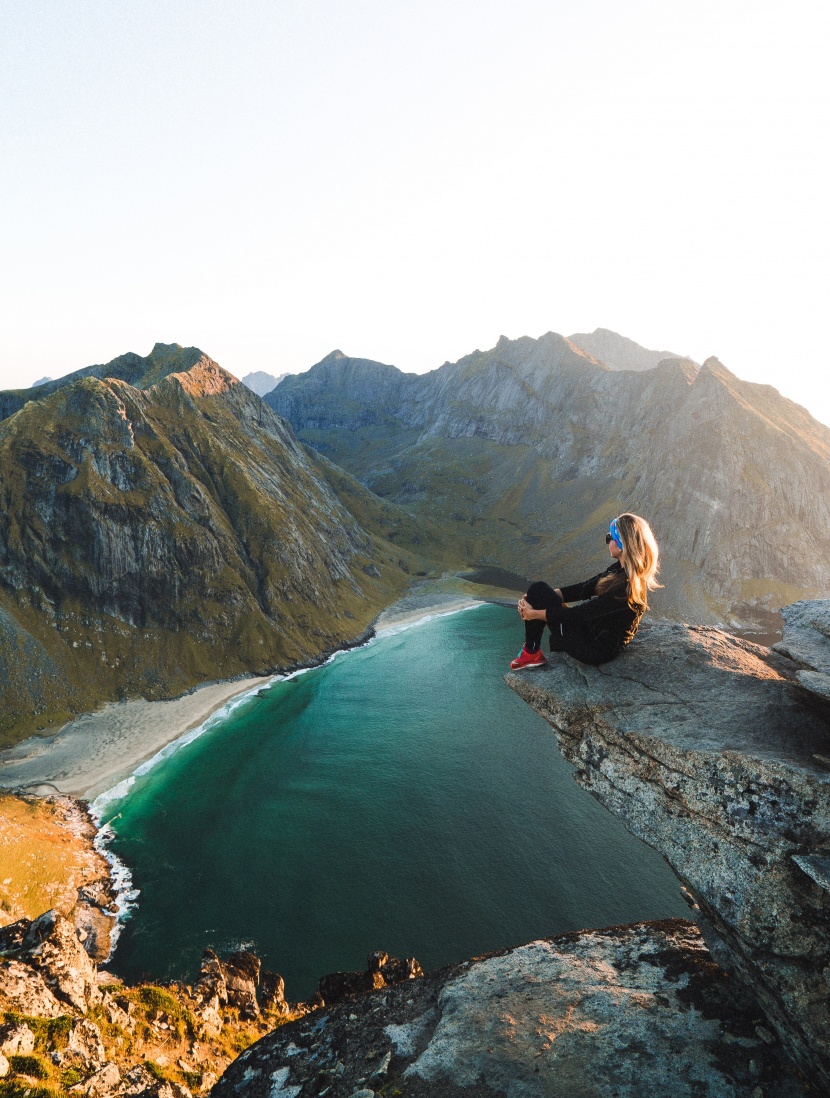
<point x="708" y="747"/>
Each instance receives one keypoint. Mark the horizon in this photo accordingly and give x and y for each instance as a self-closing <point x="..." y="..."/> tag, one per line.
<point x="274" y="181"/>
<point x="240" y="375"/>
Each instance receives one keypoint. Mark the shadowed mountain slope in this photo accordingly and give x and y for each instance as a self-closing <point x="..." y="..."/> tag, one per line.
<point x="170" y="530"/>
<point x="529" y="449"/>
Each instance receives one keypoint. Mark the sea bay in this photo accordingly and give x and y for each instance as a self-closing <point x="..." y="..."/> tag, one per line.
<point x="400" y="797"/>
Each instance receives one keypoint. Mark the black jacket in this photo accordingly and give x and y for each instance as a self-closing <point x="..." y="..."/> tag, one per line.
<point x="601" y="626"/>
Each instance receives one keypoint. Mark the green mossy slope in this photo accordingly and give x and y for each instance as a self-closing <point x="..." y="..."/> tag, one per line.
<point x="155" y="538"/>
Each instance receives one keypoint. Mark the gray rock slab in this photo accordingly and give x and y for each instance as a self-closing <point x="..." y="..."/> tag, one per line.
<point x="627" y="1011"/>
<point x="807" y="633"/>
<point x="816" y="682"/>
<point x="705" y="746"/>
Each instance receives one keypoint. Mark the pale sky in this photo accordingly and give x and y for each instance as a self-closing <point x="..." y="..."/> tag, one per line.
<point x="407" y="181"/>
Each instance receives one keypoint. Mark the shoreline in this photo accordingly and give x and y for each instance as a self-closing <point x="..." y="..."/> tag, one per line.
<point x="98" y="753"/>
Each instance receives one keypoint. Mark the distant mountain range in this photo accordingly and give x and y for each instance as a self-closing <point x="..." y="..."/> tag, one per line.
<point x="261" y="382"/>
<point x="530" y="448"/>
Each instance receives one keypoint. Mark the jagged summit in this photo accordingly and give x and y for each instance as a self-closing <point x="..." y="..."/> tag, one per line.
<point x="140" y="372"/>
<point x="261" y="382"/>
<point x="618" y="352"/>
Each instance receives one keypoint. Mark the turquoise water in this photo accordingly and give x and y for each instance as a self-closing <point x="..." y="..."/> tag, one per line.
<point x="399" y="798"/>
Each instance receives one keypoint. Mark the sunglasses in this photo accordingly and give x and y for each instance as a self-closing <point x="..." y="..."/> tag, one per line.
<point x="608" y="539"/>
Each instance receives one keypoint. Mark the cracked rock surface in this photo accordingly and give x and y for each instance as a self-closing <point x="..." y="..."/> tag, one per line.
<point x="627" y="1011"/>
<point x="807" y="641"/>
<point x="708" y="748"/>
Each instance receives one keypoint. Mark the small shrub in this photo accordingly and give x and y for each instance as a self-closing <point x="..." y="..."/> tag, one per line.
<point x="70" y="1077"/>
<point x="156" y="1070"/>
<point x="29" y="1065"/>
<point x="157" y="999"/>
<point x="58" y="1030"/>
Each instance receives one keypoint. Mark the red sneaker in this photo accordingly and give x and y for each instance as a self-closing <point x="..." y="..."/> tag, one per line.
<point x="528" y="659"/>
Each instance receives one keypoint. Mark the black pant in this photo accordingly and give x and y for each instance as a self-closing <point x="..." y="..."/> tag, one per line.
<point x="541" y="596"/>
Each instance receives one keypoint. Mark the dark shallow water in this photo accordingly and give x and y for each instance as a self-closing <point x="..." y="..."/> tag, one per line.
<point x="399" y="798"/>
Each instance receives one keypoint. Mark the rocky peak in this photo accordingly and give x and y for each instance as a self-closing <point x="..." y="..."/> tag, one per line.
<point x="618" y="352"/>
<point x="686" y="366"/>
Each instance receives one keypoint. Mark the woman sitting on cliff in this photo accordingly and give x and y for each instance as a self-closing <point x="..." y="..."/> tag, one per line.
<point x="614" y="602"/>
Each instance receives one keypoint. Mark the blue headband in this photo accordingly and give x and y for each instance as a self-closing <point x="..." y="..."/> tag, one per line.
<point x="613" y="530"/>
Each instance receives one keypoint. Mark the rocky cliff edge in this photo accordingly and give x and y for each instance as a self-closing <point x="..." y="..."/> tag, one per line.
<point x="716" y="752"/>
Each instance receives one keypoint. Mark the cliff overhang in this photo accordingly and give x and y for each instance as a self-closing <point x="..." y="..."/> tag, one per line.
<point x="716" y="752"/>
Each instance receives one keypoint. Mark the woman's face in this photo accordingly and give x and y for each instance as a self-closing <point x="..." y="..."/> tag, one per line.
<point x="614" y="550"/>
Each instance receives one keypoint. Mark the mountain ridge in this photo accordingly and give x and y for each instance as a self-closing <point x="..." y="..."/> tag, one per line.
<point x="534" y="437"/>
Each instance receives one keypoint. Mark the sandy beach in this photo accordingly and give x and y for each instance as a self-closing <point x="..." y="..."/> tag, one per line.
<point x="95" y="752"/>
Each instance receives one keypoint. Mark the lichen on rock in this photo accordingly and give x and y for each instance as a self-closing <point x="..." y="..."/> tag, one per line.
<point x="629" y="1011"/>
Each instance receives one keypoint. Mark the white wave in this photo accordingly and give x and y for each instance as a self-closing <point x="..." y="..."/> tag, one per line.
<point x="119" y="791"/>
<point x="430" y="615"/>
<point x="126" y="895"/>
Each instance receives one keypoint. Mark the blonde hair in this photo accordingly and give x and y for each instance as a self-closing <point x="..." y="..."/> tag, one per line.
<point x="640" y="560"/>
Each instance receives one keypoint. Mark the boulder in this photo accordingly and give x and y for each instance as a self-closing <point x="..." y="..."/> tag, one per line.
<point x="395" y="971"/>
<point x="94" y="918"/>
<point x="16" y="1039"/>
<point x="11" y="937"/>
<point x="101" y="1084"/>
<point x="85" y="1043"/>
<point x="241" y="973"/>
<point x="619" y="1013"/>
<point x="211" y="984"/>
<point x="209" y="1018"/>
<point x="140" y="1083"/>
<point x="118" y="1014"/>
<point x="232" y="982"/>
<point x="24" y="989"/>
<point x="51" y="946"/>
<point x="381" y="971"/>
<point x="272" y="994"/>
<point x="4" y="1066"/>
<point x="705" y="746"/>
<point x="806" y="640"/>
<point x="337" y="985"/>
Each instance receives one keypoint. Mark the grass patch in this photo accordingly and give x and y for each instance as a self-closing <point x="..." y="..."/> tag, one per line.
<point x="18" y="1088"/>
<point x="54" y="1031"/>
<point x="42" y="863"/>
<point x="28" y="1064"/>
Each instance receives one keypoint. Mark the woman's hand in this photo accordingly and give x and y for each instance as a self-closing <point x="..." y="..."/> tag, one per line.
<point x="527" y="613"/>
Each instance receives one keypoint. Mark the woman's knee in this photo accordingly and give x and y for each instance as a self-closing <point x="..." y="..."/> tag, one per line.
<point x="541" y="595"/>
